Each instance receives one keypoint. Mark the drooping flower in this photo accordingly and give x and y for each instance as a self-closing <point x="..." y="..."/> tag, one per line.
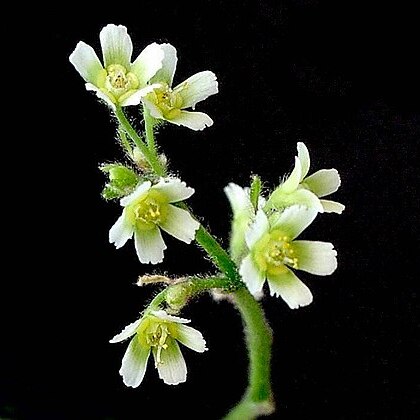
<point x="159" y="333"/>
<point x="149" y="209"/>
<point x="297" y="189"/>
<point x="273" y="252"/>
<point x="170" y="104"/>
<point x="118" y="81"/>
<point x="243" y="214"/>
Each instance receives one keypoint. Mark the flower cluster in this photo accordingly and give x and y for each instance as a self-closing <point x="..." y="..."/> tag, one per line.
<point x="263" y="235"/>
<point x="263" y="242"/>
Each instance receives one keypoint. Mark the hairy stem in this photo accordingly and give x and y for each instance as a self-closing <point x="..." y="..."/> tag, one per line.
<point x="149" y="155"/>
<point x="148" y="128"/>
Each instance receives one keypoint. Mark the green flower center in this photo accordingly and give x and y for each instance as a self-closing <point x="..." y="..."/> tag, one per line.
<point x="273" y="252"/>
<point x="149" y="211"/>
<point x="168" y="101"/>
<point x="117" y="82"/>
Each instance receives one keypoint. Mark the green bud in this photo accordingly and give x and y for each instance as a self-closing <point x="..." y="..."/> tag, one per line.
<point x="122" y="181"/>
<point x="255" y="191"/>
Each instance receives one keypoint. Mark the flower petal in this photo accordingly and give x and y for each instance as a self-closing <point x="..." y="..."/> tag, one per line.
<point x="293" y="180"/>
<point x="174" y="189"/>
<point x="293" y="220"/>
<point x="121" y="231"/>
<point x="332" y="206"/>
<point x="86" y="62"/>
<point x="194" y="120"/>
<point x="155" y="111"/>
<point x="258" y="229"/>
<point x="137" y="193"/>
<point x="239" y="200"/>
<point x="148" y="62"/>
<point x="172" y="368"/>
<point x="127" y="332"/>
<point x="163" y="315"/>
<point x="134" y="363"/>
<point x="252" y="277"/>
<point x="303" y="155"/>
<point x="316" y="257"/>
<point x="136" y="97"/>
<point x="149" y="246"/>
<point x="166" y="73"/>
<point x="100" y="95"/>
<point x="116" y="45"/>
<point x="197" y="88"/>
<point x="191" y="338"/>
<point x="290" y="288"/>
<point x="180" y="224"/>
<point x="301" y="197"/>
<point x="323" y="182"/>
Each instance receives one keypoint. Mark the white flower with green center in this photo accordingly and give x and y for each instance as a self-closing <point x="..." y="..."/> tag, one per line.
<point x="297" y="189"/>
<point x="169" y="103"/>
<point x="149" y="209"/>
<point x="118" y="81"/>
<point x="273" y="252"/>
<point x="159" y="333"/>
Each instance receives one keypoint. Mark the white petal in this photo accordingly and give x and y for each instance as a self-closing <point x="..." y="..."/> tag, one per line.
<point x="121" y="231"/>
<point x="258" y="229"/>
<point x="316" y="257"/>
<point x="332" y="206"/>
<point x="163" y="315"/>
<point x="293" y="180"/>
<point x="293" y="220"/>
<point x="197" y="88"/>
<point x="172" y="369"/>
<point x="252" y="277"/>
<point x="323" y="182"/>
<point x="191" y="338"/>
<point x="137" y="193"/>
<point x="134" y="363"/>
<point x="116" y="45"/>
<point x="148" y="63"/>
<point x="136" y="97"/>
<point x="239" y="200"/>
<point x="149" y="246"/>
<point x="127" y="332"/>
<point x="174" y="189"/>
<point x="291" y="289"/>
<point x="86" y="62"/>
<point x="100" y="95"/>
<point x="279" y="200"/>
<point x="194" y="120"/>
<point x="180" y="224"/>
<point x="155" y="111"/>
<point x="303" y="155"/>
<point x="166" y="73"/>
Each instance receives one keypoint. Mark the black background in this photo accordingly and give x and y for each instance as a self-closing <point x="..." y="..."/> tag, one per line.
<point x="340" y="76"/>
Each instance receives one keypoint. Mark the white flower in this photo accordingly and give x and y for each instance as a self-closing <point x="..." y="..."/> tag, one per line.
<point x="273" y="250"/>
<point x="169" y="103"/>
<point x="159" y="333"/>
<point x="118" y="82"/>
<point x="297" y="189"/>
<point x="149" y="209"/>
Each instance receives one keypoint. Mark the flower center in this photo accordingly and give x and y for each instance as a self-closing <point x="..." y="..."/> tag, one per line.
<point x="117" y="82"/>
<point x="274" y="251"/>
<point x="168" y="101"/>
<point x="149" y="211"/>
<point x="156" y="336"/>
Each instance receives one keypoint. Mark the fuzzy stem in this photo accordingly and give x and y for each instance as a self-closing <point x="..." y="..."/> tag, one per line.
<point x="258" y="397"/>
<point x="148" y="128"/>
<point x="150" y="156"/>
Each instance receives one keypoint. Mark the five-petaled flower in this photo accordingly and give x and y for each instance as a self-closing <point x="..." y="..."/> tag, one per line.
<point x="149" y="209"/>
<point x="169" y="104"/>
<point x="118" y="82"/>
<point x="273" y="250"/>
<point x="159" y="333"/>
<point x="297" y="189"/>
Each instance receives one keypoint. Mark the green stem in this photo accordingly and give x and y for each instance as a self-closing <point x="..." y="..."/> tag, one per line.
<point x="124" y="142"/>
<point x="151" y="157"/>
<point x="258" y="397"/>
<point x="148" y="127"/>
